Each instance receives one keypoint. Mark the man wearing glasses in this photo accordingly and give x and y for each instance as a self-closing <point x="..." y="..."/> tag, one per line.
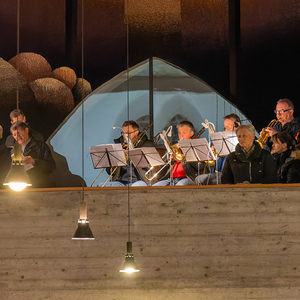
<point x="285" y="115"/>
<point x="127" y="175"/>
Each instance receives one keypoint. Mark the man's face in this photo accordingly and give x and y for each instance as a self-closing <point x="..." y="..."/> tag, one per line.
<point x="131" y="132"/>
<point x="18" y="118"/>
<point x="21" y="136"/>
<point x="229" y="124"/>
<point x="185" y="132"/>
<point x="284" y="114"/>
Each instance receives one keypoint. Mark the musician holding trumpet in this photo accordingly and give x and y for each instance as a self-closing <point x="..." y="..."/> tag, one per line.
<point x="286" y="122"/>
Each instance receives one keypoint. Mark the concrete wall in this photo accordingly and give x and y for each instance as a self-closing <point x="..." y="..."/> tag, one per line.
<point x="189" y="243"/>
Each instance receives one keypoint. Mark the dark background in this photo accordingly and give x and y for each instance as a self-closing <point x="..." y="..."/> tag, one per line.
<point x="190" y="34"/>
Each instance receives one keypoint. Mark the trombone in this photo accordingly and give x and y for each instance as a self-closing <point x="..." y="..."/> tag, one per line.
<point x="172" y="151"/>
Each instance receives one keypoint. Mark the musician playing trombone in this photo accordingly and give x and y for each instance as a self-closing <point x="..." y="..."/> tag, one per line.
<point x="183" y="173"/>
<point x="127" y="175"/>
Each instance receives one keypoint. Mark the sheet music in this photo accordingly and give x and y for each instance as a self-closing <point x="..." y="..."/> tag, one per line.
<point x="27" y="166"/>
<point x="224" y="142"/>
<point x="196" y="150"/>
<point x="109" y="155"/>
<point x="145" y="157"/>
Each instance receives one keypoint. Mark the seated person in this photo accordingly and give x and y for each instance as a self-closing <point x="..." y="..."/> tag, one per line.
<point x="249" y="163"/>
<point x="183" y="173"/>
<point x="231" y="122"/>
<point x="5" y="159"/>
<point x="38" y="160"/>
<point x="286" y="157"/>
<point x="124" y="176"/>
<point x="18" y="115"/>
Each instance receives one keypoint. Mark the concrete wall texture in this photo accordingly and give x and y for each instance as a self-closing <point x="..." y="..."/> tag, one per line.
<point x="203" y="243"/>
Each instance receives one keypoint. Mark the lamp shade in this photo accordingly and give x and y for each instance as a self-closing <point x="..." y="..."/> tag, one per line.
<point x="129" y="265"/>
<point x="83" y="231"/>
<point x="17" y="178"/>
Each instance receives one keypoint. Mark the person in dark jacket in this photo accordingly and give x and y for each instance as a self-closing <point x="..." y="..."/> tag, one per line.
<point x="37" y="158"/>
<point x="249" y="163"/>
<point x="126" y="176"/>
<point x="183" y="172"/>
<point x="15" y="116"/>
<point x="286" y="122"/>
<point x="286" y="157"/>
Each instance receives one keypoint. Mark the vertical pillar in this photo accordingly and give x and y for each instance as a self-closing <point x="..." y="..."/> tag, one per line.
<point x="151" y="96"/>
<point x="71" y="45"/>
<point x="234" y="37"/>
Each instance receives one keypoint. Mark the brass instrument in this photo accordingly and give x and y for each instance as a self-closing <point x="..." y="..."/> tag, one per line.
<point x="264" y="135"/>
<point x="174" y="151"/>
<point x="211" y="129"/>
<point x="131" y="145"/>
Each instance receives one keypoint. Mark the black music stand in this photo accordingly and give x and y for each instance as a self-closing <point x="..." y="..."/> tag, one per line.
<point x="105" y="156"/>
<point x="145" y="157"/>
<point x="224" y="142"/>
<point x="196" y="150"/>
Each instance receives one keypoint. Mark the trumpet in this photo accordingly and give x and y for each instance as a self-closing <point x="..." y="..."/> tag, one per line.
<point x="264" y="135"/>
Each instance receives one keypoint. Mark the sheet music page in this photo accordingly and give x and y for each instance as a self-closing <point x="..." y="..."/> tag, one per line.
<point x="137" y="158"/>
<point x="196" y="149"/>
<point x="224" y="142"/>
<point x="27" y="166"/>
<point x="145" y="157"/>
<point x="109" y="155"/>
<point x="153" y="156"/>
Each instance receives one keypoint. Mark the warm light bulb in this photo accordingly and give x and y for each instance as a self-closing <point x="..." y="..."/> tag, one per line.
<point x="129" y="270"/>
<point x="17" y="186"/>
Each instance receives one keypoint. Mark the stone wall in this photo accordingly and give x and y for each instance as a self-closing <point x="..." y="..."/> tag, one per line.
<point x="189" y="243"/>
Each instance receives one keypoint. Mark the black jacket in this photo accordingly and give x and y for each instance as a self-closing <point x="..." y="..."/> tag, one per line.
<point x="40" y="174"/>
<point x="288" y="168"/>
<point x="259" y="167"/>
<point x="120" y="171"/>
<point x="292" y="128"/>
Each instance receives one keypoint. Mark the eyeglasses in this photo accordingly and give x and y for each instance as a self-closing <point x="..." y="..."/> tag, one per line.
<point x="280" y="112"/>
<point x="122" y="132"/>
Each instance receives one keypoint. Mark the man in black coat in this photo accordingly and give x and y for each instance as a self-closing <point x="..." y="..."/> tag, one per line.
<point x="37" y="158"/>
<point x="249" y="163"/>
<point x="124" y="176"/>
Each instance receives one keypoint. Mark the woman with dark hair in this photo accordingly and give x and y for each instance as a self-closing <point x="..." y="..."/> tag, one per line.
<point x="286" y="157"/>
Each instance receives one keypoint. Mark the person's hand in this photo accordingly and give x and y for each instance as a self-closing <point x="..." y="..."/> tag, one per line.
<point x="28" y="160"/>
<point x="271" y="131"/>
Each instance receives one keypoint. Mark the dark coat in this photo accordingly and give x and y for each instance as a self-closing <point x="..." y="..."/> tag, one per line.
<point x="288" y="168"/>
<point x="259" y="167"/>
<point x="40" y="174"/>
<point x="292" y="128"/>
<point x="120" y="171"/>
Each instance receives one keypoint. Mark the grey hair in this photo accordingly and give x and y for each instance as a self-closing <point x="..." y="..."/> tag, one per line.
<point x="249" y="127"/>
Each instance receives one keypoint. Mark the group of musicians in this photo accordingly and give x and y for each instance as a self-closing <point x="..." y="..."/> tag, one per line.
<point x="240" y="166"/>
